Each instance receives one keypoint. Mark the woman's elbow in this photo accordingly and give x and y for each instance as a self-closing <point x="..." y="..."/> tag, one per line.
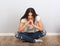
<point x="19" y="30"/>
<point x="40" y="28"/>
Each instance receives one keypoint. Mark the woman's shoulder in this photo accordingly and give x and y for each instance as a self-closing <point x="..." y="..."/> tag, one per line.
<point x="23" y="20"/>
<point x="38" y="18"/>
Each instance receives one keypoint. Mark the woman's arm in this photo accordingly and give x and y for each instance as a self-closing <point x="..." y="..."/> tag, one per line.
<point x="22" y="26"/>
<point x="39" y="27"/>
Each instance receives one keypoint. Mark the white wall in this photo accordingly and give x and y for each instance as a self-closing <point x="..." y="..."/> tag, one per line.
<point x="12" y="10"/>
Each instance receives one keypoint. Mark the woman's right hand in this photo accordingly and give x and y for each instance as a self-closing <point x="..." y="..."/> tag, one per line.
<point x="28" y="22"/>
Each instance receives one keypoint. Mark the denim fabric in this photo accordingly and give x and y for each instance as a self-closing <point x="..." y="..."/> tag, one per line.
<point x="26" y="36"/>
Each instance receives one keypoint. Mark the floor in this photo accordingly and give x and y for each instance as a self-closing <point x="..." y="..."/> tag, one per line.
<point x="12" y="41"/>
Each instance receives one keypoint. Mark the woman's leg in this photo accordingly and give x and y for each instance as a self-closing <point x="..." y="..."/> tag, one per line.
<point x="38" y="34"/>
<point x="24" y="36"/>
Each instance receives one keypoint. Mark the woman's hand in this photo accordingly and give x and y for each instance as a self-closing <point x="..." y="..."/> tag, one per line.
<point x="31" y="21"/>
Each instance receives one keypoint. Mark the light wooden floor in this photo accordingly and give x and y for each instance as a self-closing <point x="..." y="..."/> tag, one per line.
<point x="12" y="41"/>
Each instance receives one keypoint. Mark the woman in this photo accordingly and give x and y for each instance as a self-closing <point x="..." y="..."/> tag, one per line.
<point x="30" y="27"/>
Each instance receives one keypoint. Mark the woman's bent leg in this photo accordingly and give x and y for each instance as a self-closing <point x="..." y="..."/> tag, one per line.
<point x="38" y="34"/>
<point x="24" y="36"/>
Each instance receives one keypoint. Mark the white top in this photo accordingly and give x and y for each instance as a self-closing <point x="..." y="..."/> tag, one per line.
<point x="29" y="27"/>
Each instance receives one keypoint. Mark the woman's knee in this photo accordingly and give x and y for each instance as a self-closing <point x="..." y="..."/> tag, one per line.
<point x="19" y="35"/>
<point x="42" y="33"/>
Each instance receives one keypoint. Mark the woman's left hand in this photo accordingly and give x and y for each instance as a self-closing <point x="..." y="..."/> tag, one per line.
<point x="31" y="22"/>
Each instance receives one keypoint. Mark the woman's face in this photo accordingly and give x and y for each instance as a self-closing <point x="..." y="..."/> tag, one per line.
<point x="30" y="15"/>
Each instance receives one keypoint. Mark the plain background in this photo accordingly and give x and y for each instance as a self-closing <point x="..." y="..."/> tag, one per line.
<point x="12" y="10"/>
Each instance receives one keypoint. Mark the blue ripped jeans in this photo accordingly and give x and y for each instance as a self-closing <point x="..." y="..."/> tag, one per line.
<point x="26" y="36"/>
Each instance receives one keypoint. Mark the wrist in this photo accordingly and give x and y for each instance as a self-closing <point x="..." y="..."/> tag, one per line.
<point x="32" y="24"/>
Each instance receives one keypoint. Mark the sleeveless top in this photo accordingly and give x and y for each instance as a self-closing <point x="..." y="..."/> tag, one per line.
<point x="30" y="28"/>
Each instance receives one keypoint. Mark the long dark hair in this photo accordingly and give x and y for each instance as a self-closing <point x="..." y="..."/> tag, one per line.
<point x="26" y="13"/>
